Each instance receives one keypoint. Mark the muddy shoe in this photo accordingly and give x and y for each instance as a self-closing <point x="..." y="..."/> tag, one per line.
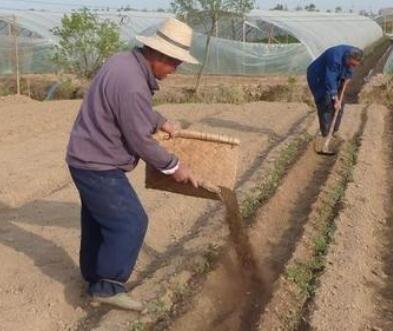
<point x="328" y="151"/>
<point x="121" y="300"/>
<point x="318" y="143"/>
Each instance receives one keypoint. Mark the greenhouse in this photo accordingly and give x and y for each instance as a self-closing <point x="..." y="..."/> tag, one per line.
<point x="385" y="20"/>
<point x="265" y="42"/>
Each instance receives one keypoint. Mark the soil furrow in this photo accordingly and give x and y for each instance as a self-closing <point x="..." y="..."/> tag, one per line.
<point x="279" y="224"/>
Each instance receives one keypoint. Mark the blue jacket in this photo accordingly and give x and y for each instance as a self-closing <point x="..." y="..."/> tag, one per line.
<point x="324" y="74"/>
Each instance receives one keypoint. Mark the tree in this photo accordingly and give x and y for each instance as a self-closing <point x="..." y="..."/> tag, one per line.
<point x="364" y="12"/>
<point x="311" y="7"/>
<point x="278" y="7"/>
<point x="85" y="42"/>
<point x="338" y="10"/>
<point x="299" y="8"/>
<point x="207" y="13"/>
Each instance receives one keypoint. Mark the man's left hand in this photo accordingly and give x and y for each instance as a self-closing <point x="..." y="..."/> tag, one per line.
<point x="171" y="128"/>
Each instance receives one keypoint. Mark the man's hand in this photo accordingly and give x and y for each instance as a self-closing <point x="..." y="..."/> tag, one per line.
<point x="184" y="175"/>
<point x="171" y="128"/>
<point x="337" y="104"/>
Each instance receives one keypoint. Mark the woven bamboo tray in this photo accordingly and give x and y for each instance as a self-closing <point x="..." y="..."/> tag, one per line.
<point x="212" y="158"/>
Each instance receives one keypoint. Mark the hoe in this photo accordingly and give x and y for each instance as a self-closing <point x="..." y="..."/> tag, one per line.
<point x="326" y="145"/>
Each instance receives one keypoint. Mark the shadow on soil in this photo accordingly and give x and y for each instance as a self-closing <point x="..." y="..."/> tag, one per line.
<point x="58" y="265"/>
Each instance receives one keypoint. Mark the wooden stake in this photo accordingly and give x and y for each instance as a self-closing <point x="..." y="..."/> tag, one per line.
<point x="15" y="35"/>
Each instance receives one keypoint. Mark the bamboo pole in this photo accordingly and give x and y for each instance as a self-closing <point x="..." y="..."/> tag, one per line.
<point x="187" y="134"/>
<point x="16" y="47"/>
<point x="11" y="40"/>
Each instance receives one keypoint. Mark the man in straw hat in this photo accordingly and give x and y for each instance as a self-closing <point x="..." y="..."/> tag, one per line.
<point x="112" y="131"/>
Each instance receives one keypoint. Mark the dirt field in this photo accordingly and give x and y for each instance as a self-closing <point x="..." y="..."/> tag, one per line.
<point x="39" y="207"/>
<point x="187" y="273"/>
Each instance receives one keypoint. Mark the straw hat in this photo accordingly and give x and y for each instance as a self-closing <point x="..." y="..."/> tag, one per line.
<point x="173" y="38"/>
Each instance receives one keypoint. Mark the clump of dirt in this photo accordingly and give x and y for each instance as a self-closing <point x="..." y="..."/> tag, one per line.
<point x="40" y="87"/>
<point x="379" y="90"/>
<point x="14" y="99"/>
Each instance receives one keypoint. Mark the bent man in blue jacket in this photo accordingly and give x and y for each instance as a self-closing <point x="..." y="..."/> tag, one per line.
<point x="326" y="77"/>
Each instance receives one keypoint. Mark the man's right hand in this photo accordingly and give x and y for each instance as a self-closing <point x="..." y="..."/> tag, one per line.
<point x="337" y="104"/>
<point x="184" y="175"/>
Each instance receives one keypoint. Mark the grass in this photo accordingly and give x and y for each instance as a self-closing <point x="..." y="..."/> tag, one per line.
<point x="181" y="292"/>
<point x="158" y="309"/>
<point x="138" y="326"/>
<point x="264" y="192"/>
<point x="207" y="261"/>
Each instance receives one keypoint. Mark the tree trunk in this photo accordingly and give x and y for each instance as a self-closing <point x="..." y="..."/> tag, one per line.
<point x="233" y="29"/>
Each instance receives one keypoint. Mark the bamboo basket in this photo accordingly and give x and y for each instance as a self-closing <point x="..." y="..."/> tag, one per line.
<point x="213" y="159"/>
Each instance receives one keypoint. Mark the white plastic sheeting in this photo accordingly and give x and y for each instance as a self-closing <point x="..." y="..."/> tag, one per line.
<point x="316" y="31"/>
<point x="41" y="22"/>
<point x="228" y="57"/>
<point x="238" y="58"/>
<point x="37" y="40"/>
<point x="319" y="31"/>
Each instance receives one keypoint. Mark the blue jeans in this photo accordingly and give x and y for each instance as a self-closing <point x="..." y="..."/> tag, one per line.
<point x="113" y="224"/>
<point x="325" y="108"/>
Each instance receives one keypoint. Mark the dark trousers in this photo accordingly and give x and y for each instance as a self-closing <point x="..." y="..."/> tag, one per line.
<point x="113" y="224"/>
<point x="325" y="108"/>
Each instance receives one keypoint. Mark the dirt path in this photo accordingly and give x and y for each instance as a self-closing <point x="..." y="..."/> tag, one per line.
<point x="348" y="296"/>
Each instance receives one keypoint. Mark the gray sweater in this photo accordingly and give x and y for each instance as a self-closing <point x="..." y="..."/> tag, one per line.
<point x="114" y="127"/>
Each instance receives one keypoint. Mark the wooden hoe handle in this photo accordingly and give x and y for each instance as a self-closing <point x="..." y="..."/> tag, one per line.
<point x="207" y="137"/>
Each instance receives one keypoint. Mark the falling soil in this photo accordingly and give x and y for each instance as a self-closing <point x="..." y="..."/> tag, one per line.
<point x="238" y="234"/>
<point x="253" y="280"/>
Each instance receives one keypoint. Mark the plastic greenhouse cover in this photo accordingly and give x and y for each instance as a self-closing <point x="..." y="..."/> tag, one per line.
<point x="316" y="31"/>
<point x="238" y="58"/>
<point x="319" y="31"/>
<point x="41" y="22"/>
<point x="35" y="51"/>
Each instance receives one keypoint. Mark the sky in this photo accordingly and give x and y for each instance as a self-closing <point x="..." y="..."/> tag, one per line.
<point x="356" y="5"/>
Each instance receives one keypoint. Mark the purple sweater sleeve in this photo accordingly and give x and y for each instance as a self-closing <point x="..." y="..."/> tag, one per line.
<point x="137" y="122"/>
